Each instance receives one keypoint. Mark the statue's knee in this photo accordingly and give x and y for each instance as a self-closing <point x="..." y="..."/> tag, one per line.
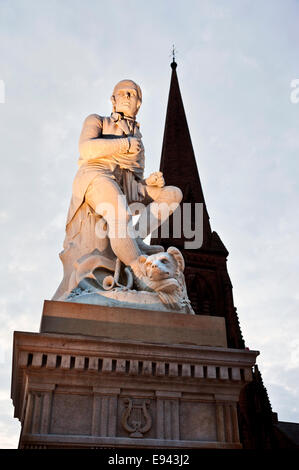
<point x="173" y="194"/>
<point x="178" y="195"/>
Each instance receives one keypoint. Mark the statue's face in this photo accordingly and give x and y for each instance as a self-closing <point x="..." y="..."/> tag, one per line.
<point x="125" y="100"/>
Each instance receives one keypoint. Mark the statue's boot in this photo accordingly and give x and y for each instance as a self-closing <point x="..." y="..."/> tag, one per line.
<point x="148" y="249"/>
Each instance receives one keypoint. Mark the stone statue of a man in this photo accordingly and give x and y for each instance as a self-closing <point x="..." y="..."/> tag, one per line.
<point x="111" y="167"/>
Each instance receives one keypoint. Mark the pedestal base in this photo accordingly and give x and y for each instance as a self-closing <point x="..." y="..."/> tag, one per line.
<point x="72" y="391"/>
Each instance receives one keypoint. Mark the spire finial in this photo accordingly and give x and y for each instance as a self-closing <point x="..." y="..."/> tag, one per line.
<point x="173" y="53"/>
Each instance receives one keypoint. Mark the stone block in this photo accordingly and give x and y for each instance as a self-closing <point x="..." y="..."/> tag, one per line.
<point x="66" y="362"/>
<point x="37" y="360"/>
<point x="223" y="373"/>
<point x="133" y="369"/>
<point x="173" y="370"/>
<point x="198" y="421"/>
<point x="147" y="368"/>
<point x="130" y="323"/>
<point x="93" y="363"/>
<point x="121" y="366"/>
<point x="211" y="372"/>
<point x="186" y="370"/>
<point x="65" y="418"/>
<point x="107" y="365"/>
<point x="236" y="373"/>
<point x="79" y="362"/>
<point x="198" y="371"/>
<point x="51" y="361"/>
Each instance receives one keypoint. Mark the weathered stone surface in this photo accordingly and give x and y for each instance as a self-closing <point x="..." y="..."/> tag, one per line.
<point x="100" y="392"/>
<point x="129" y="323"/>
<point x="198" y="421"/>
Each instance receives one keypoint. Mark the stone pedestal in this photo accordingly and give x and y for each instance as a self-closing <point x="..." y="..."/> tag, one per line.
<point x="132" y="379"/>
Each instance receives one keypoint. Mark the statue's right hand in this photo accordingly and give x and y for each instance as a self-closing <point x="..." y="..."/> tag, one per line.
<point x="135" y="145"/>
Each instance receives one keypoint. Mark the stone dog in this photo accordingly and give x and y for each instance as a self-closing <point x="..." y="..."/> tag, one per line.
<point x="163" y="273"/>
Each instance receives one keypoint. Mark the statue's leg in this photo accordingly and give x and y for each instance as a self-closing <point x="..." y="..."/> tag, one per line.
<point x="162" y="203"/>
<point x="106" y="198"/>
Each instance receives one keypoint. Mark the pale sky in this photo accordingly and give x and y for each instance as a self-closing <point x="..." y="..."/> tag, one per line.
<point x="59" y="61"/>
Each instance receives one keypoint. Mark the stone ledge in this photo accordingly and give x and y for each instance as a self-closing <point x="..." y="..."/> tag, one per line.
<point x="132" y="367"/>
<point x="52" y="344"/>
<point x="44" y="441"/>
<point x="56" y="352"/>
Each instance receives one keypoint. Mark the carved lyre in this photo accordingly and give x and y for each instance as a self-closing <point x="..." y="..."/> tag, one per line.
<point x="132" y="417"/>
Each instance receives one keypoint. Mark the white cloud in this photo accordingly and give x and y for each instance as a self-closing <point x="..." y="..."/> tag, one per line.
<point x="60" y="61"/>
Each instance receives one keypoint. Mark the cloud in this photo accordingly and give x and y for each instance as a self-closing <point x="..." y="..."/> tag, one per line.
<point x="60" y="61"/>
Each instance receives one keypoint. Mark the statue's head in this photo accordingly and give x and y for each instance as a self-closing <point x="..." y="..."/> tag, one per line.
<point x="126" y="98"/>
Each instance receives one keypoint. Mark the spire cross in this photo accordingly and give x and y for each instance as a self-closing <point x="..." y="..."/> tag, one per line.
<point x="173" y="53"/>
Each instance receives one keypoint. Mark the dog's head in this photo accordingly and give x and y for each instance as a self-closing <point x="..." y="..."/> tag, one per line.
<point x="164" y="265"/>
<point x="163" y="272"/>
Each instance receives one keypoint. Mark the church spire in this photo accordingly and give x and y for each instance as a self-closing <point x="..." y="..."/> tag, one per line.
<point x="178" y="162"/>
<point x="207" y="280"/>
